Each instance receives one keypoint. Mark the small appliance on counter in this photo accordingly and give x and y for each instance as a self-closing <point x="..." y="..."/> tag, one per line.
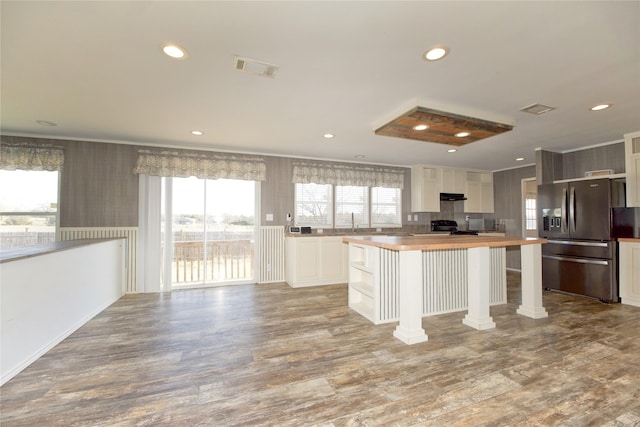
<point x="450" y="226"/>
<point x="294" y="229"/>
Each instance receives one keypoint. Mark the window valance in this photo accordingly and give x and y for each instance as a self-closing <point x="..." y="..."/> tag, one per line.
<point x="202" y="165"/>
<point x="347" y="174"/>
<point x="31" y="156"/>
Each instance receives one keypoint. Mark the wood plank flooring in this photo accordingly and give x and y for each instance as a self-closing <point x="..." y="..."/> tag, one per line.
<point x="277" y="356"/>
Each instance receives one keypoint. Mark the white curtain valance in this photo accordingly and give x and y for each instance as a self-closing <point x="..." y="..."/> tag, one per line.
<point x="337" y="174"/>
<point x="202" y="165"/>
<point x="31" y="156"/>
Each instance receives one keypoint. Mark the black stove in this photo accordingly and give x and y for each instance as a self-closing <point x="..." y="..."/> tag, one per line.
<point x="450" y="226"/>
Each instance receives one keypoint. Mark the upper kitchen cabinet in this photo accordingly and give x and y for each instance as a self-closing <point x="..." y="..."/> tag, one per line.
<point x="479" y="192"/>
<point x="425" y="189"/>
<point x="454" y="180"/>
<point x="632" y="166"/>
<point x="427" y="182"/>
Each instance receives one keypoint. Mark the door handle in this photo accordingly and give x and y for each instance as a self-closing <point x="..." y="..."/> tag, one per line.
<point x="564" y="215"/>
<point x="577" y="260"/>
<point x="572" y="206"/>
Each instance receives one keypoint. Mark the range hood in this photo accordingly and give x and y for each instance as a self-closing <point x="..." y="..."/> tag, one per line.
<point x="452" y="197"/>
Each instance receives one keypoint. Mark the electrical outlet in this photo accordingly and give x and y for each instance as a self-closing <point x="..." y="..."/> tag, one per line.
<point x="269" y="217"/>
<point x="409" y="217"/>
<point x="415" y="217"/>
<point x="288" y="217"/>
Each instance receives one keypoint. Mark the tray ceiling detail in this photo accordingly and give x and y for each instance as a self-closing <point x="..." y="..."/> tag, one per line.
<point x="442" y="127"/>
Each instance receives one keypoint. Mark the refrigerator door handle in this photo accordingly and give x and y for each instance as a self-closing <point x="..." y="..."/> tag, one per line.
<point x="572" y="206"/>
<point x="578" y="260"/>
<point x="565" y="217"/>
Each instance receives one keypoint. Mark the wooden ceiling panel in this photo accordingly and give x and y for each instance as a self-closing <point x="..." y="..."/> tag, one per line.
<point x="443" y="127"/>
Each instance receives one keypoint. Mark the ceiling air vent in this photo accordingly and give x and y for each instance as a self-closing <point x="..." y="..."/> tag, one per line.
<point x="537" y="109"/>
<point x="251" y="66"/>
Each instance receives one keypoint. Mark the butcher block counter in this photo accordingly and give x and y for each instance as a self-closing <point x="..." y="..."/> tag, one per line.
<point x="405" y="278"/>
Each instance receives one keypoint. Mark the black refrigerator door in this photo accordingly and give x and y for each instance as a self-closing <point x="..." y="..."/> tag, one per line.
<point x="552" y="210"/>
<point x="590" y="209"/>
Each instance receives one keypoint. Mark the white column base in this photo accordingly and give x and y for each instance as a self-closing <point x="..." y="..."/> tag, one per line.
<point x="409" y="329"/>
<point x="479" y="278"/>
<point x="531" y="282"/>
<point x="534" y="313"/>
<point x="410" y="336"/>
<point x="479" y="323"/>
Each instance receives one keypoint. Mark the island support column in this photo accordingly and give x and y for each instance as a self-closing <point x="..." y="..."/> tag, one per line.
<point x="531" y="282"/>
<point x="409" y="329"/>
<point x="479" y="288"/>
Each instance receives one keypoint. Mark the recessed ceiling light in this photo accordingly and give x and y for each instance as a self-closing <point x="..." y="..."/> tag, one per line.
<point x="46" y="123"/>
<point x="328" y="135"/>
<point x="436" y="53"/>
<point x="174" y="51"/>
<point x="462" y="134"/>
<point x="600" y="107"/>
<point x="451" y="150"/>
<point x="197" y="132"/>
<point x="420" y="127"/>
<point x="519" y="159"/>
<point x="359" y="156"/>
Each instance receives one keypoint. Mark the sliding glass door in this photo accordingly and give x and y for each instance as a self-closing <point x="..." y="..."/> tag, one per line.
<point x="209" y="226"/>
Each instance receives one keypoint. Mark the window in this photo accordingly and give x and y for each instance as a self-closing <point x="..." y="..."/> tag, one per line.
<point x="314" y="205"/>
<point x="352" y="206"/>
<point x="386" y="207"/>
<point x="530" y="214"/>
<point x="28" y="207"/>
<point x="355" y="206"/>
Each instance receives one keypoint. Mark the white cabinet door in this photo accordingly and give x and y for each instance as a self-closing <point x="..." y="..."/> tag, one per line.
<point x="454" y="180"/>
<point x="479" y="192"/>
<point x="632" y="166"/>
<point x="314" y="261"/>
<point x="333" y="258"/>
<point x="630" y="273"/>
<point x="425" y="189"/>
<point x="307" y="254"/>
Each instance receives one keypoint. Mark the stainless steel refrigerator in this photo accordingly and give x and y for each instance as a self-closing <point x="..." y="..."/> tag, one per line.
<point x="581" y="220"/>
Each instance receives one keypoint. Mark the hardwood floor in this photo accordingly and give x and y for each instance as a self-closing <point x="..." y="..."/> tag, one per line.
<point x="273" y="355"/>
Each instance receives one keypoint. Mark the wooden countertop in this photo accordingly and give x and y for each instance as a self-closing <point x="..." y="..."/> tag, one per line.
<point x="14" y="254"/>
<point x="629" y="239"/>
<point x="412" y="243"/>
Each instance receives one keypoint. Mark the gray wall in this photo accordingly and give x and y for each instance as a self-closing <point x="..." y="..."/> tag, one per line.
<point x="97" y="185"/>
<point x="507" y="188"/>
<point x="99" y="189"/>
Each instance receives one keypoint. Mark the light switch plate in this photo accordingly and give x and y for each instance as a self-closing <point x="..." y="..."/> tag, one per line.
<point x="269" y="217"/>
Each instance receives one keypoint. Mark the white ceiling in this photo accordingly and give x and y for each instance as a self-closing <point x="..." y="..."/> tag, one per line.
<point x="97" y="70"/>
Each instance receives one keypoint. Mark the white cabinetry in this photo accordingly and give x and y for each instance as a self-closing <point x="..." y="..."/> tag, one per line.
<point x="313" y="261"/>
<point x="425" y="189"/>
<point x="479" y="192"/>
<point x="427" y="182"/>
<point x="453" y="180"/>
<point x="630" y="273"/>
<point x="632" y="168"/>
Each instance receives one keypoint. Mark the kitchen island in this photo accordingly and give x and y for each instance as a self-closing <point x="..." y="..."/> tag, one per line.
<point x="405" y="262"/>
